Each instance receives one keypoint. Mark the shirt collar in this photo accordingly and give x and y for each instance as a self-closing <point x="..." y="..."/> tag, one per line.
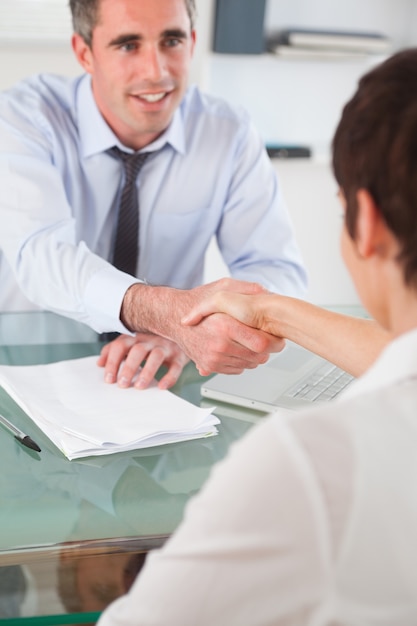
<point x="96" y="136"/>
<point x="397" y="362"/>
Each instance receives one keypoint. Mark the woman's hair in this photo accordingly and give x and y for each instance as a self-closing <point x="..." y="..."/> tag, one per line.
<point x="375" y="148"/>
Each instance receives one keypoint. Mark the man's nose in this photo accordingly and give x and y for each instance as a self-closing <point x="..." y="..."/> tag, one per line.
<point x="154" y="63"/>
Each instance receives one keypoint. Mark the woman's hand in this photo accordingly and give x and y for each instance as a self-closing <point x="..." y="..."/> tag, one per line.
<point x="248" y="309"/>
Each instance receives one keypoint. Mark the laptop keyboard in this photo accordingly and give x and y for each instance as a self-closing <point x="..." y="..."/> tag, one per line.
<point x="322" y="385"/>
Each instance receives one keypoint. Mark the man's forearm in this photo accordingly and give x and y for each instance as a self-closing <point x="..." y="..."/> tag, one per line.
<point x="149" y="309"/>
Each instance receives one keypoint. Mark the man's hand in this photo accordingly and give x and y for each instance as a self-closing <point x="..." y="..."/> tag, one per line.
<point x="122" y="359"/>
<point x="218" y="343"/>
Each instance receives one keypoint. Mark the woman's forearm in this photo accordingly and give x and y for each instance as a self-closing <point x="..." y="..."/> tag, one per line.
<point x="352" y="343"/>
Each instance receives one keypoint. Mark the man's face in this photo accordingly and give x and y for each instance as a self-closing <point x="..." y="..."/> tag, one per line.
<point x="139" y="62"/>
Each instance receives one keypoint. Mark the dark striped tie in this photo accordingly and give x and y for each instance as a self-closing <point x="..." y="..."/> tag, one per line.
<point x="126" y="247"/>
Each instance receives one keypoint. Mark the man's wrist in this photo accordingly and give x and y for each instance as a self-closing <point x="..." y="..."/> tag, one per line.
<point x="149" y="308"/>
<point x="128" y="310"/>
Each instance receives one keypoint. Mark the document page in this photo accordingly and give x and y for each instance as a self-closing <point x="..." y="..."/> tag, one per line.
<point x="84" y="416"/>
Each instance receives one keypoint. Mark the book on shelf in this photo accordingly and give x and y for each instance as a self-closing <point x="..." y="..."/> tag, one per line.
<point x="335" y="40"/>
<point x="318" y="54"/>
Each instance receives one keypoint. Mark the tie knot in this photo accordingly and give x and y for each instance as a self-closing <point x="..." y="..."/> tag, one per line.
<point x="132" y="162"/>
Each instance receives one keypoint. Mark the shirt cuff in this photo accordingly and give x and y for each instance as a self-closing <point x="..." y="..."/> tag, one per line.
<point x="104" y="297"/>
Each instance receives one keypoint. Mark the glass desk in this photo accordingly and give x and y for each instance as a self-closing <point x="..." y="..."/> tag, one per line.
<point x="73" y="534"/>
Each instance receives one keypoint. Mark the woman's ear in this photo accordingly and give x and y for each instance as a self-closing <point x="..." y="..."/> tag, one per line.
<point x="371" y="233"/>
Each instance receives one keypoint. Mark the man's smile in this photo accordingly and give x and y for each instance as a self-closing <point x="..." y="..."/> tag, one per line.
<point x="152" y="97"/>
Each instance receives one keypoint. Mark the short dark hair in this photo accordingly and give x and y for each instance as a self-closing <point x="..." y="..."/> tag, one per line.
<point x="375" y="148"/>
<point x="85" y="16"/>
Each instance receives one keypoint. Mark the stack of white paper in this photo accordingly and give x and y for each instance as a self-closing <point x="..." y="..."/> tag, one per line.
<point x="83" y="416"/>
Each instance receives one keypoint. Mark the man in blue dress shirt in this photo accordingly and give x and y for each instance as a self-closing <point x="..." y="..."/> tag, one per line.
<point x="206" y="174"/>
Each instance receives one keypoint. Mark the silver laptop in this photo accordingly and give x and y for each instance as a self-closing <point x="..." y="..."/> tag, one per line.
<point x="290" y="379"/>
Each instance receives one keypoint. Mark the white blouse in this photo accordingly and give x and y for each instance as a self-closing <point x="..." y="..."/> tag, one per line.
<point x="310" y="520"/>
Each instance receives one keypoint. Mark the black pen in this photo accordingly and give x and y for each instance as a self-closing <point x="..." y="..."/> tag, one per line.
<point x="19" y="435"/>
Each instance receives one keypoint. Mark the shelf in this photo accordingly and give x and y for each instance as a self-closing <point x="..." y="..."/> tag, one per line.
<point x="289" y="101"/>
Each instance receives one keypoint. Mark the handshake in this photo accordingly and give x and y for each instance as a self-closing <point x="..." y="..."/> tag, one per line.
<point x="228" y="326"/>
<point x="220" y="326"/>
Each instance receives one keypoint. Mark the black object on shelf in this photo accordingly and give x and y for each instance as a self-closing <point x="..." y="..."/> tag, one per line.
<point x="239" y="27"/>
<point x="283" y="151"/>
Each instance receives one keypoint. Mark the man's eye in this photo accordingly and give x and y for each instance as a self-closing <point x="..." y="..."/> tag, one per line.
<point x="128" y="47"/>
<point x="172" y="42"/>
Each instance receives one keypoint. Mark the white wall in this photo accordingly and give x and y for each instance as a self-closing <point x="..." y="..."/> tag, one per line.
<point x="310" y="194"/>
<point x="19" y="61"/>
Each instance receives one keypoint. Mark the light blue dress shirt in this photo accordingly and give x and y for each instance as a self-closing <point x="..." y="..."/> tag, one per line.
<point x="208" y="174"/>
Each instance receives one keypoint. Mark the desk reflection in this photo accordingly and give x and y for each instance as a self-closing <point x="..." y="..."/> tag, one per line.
<point x="87" y="583"/>
<point x="81" y="529"/>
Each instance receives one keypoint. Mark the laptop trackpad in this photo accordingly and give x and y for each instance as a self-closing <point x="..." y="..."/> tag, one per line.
<point x="290" y="359"/>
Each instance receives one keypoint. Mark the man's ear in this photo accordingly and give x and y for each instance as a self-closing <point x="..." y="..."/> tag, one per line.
<point x="371" y="233"/>
<point x="82" y="52"/>
<point x="193" y="40"/>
